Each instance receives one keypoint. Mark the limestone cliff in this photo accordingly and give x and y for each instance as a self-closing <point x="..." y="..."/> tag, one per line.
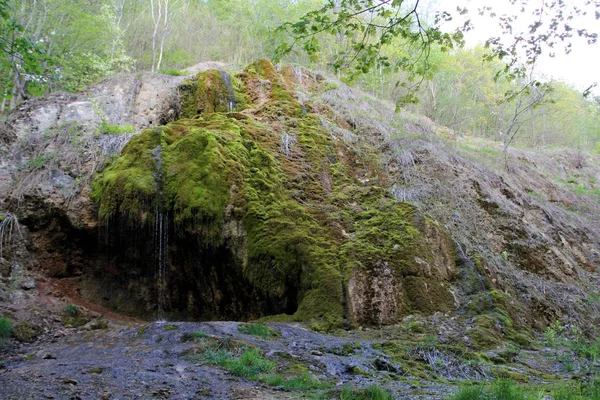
<point x="275" y="192"/>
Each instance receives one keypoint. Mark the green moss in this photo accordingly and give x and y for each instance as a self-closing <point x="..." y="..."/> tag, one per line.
<point x="428" y="295"/>
<point x="25" y="331"/>
<point x="129" y="185"/>
<point x="208" y="93"/>
<point x="214" y="162"/>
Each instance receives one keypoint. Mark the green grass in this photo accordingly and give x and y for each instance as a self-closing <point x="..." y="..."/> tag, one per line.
<point x="507" y="390"/>
<point x="188" y="337"/>
<point x="259" y="330"/>
<point x="497" y="390"/>
<point x="112" y="129"/>
<point x="72" y="310"/>
<point x="369" y="393"/>
<point x="171" y="71"/>
<point x="303" y="382"/>
<point x="249" y="364"/>
<point x="5" y="328"/>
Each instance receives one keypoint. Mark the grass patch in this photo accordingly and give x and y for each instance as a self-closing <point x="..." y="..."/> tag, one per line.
<point x="508" y="390"/>
<point x="303" y="382"/>
<point x="5" y="328"/>
<point x="243" y="362"/>
<point x="369" y="393"/>
<point x="106" y="128"/>
<point x="171" y="327"/>
<point x="73" y="316"/>
<point x="250" y="364"/>
<point x="259" y="330"/>
<point x="497" y="390"/>
<point x="189" y="337"/>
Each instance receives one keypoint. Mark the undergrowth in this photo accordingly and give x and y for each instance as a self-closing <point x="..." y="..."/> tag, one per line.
<point x="259" y="330"/>
<point x="369" y="393"/>
<point x="5" y="328"/>
<point x="508" y="390"/>
<point x="247" y="364"/>
<point x="304" y="382"/>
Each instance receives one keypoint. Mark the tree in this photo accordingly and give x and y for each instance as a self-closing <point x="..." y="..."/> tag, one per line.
<point x="371" y="25"/>
<point x="19" y="55"/>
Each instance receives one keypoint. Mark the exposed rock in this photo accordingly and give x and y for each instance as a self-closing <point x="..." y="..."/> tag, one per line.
<point x="28" y="284"/>
<point x="270" y="192"/>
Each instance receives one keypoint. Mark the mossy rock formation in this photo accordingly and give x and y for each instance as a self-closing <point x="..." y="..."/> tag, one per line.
<point x="257" y="211"/>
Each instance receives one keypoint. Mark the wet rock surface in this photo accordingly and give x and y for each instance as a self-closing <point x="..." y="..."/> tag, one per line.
<point x="146" y="361"/>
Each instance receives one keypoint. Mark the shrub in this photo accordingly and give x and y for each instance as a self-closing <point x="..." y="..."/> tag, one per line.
<point x="71" y="310"/>
<point x="26" y="332"/>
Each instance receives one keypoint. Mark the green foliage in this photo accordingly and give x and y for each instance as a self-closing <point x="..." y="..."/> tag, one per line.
<point x="38" y="162"/>
<point x="5" y="328"/>
<point x="369" y="393"/>
<point x="508" y="390"/>
<point x="73" y="316"/>
<point x="250" y="364"/>
<point x="111" y="129"/>
<point x="72" y="310"/>
<point x="25" y="331"/>
<point x="259" y="330"/>
<point x="496" y="390"/>
<point x="304" y="382"/>
<point x="187" y="337"/>
<point x="206" y="157"/>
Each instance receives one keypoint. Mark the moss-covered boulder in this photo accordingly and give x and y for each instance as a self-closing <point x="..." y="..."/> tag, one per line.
<point x="243" y="215"/>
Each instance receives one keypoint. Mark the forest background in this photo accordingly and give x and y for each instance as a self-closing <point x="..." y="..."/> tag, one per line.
<point x="67" y="45"/>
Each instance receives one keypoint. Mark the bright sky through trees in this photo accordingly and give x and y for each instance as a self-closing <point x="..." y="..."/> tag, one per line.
<point x="579" y="67"/>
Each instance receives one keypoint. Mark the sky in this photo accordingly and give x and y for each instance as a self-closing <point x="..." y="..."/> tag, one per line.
<point x="580" y="68"/>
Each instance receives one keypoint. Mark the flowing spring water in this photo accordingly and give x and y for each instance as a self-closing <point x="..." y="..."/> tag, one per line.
<point x="161" y="234"/>
<point x="161" y="241"/>
<point x="231" y="101"/>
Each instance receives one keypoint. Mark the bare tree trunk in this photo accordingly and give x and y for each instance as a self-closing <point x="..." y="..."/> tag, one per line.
<point x="164" y="35"/>
<point x="156" y="17"/>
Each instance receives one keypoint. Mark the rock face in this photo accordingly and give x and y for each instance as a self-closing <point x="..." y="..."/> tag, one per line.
<point x="273" y="191"/>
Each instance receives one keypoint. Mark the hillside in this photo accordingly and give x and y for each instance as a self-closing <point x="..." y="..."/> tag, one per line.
<point x="274" y="193"/>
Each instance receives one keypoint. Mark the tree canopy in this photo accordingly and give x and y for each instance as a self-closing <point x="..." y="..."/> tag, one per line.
<point x="398" y="50"/>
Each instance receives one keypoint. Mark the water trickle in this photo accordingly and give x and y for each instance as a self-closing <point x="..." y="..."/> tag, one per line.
<point x="298" y="73"/>
<point x="231" y="101"/>
<point x="161" y="231"/>
<point x="470" y="266"/>
<point x="161" y="240"/>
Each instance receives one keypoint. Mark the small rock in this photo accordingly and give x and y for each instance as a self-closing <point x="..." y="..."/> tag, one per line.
<point x="28" y="284"/>
<point x="316" y="353"/>
<point x="383" y="365"/>
<point x="69" y="381"/>
<point x="48" y="356"/>
<point x="95" y="324"/>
